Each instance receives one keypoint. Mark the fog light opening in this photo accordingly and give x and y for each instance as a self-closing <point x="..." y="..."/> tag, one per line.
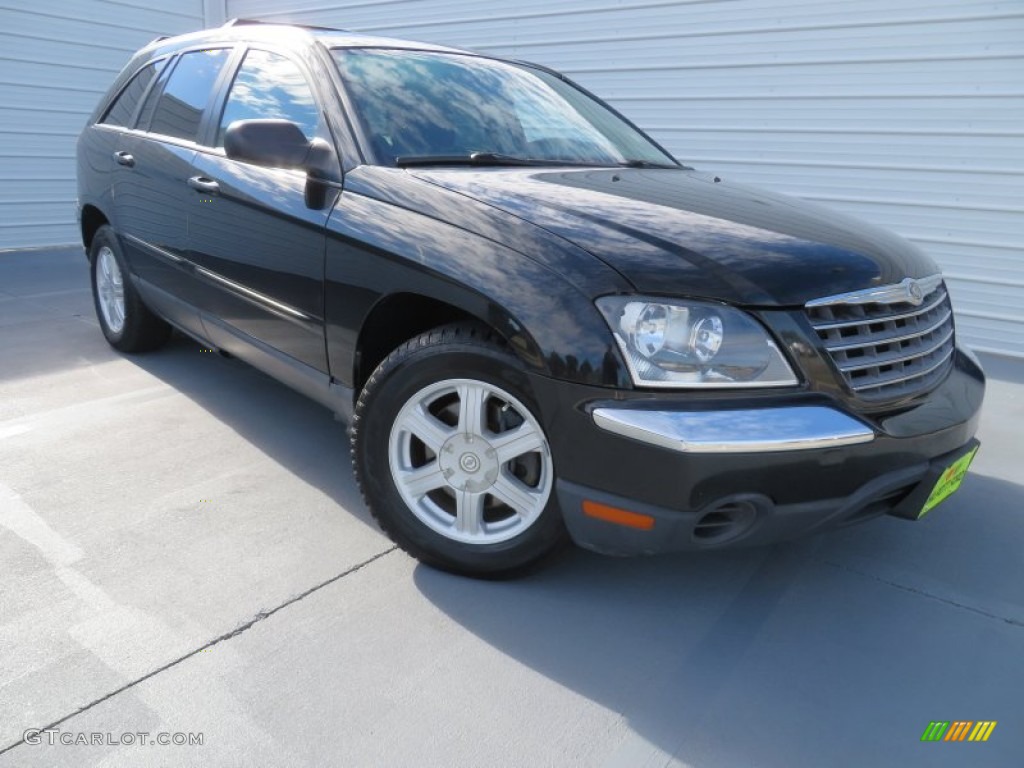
<point x="725" y="521"/>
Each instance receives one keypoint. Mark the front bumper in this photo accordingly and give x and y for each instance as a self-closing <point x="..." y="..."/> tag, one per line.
<point x="649" y="472"/>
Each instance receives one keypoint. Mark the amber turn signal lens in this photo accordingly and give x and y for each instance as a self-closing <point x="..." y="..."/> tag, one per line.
<point x="618" y="516"/>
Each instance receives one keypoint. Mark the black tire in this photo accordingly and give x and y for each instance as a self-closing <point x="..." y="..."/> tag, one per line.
<point x="451" y="353"/>
<point x="141" y="330"/>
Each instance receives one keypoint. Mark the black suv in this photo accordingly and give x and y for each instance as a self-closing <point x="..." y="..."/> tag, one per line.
<point x="538" y="323"/>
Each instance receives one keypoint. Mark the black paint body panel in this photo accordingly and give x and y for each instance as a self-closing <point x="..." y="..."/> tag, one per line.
<point x="681" y="233"/>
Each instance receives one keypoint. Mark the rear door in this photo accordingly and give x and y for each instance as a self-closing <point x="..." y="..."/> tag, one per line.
<point x="255" y="241"/>
<point x="151" y="192"/>
<point x="101" y="143"/>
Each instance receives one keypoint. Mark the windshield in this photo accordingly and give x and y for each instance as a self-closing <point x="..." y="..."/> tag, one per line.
<point x="441" y="107"/>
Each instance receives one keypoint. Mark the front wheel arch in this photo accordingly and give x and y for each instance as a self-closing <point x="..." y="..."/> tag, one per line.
<point x="380" y="334"/>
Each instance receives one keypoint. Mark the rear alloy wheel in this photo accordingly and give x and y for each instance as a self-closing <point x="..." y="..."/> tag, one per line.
<point x="451" y="458"/>
<point x="110" y="290"/>
<point x="125" y="321"/>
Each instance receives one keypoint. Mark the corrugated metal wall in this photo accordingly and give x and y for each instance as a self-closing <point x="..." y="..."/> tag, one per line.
<point x="56" y="59"/>
<point x="908" y="113"/>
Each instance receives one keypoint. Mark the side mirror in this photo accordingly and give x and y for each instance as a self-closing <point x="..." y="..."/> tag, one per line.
<point x="276" y="144"/>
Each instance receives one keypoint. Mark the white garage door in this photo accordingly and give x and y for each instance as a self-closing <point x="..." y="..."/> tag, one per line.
<point x="908" y="113"/>
<point x="56" y="59"/>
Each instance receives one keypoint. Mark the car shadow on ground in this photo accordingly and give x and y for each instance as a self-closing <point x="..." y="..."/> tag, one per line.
<point x="299" y="434"/>
<point x="833" y="650"/>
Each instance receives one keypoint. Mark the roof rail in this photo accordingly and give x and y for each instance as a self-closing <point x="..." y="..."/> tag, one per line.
<point x="246" y="22"/>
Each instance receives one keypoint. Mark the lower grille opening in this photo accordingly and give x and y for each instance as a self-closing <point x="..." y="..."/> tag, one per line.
<point x="724" y="522"/>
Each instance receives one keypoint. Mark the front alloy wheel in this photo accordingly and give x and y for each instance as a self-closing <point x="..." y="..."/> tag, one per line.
<point x="470" y="461"/>
<point x="451" y="458"/>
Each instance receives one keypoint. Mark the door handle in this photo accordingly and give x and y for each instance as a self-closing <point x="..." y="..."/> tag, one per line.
<point x="123" y="158"/>
<point x="204" y="184"/>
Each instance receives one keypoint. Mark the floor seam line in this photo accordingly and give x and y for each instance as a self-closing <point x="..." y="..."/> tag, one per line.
<point x="219" y="639"/>
<point x="923" y="593"/>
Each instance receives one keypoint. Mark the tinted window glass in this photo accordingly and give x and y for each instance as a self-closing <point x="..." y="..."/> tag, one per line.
<point x="151" y="99"/>
<point x="123" y="108"/>
<point x="270" y="86"/>
<point x="186" y="94"/>
<point x="423" y="104"/>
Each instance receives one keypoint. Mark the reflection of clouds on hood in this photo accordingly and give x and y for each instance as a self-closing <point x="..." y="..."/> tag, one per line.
<point x="402" y="188"/>
<point x="650" y="224"/>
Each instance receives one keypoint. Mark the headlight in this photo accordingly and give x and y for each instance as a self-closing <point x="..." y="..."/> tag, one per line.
<point x="693" y="344"/>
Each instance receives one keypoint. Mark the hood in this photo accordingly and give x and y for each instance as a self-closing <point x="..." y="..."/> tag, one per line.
<point x="684" y="233"/>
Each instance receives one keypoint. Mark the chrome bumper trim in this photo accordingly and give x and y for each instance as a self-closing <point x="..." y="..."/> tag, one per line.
<point x="795" y="428"/>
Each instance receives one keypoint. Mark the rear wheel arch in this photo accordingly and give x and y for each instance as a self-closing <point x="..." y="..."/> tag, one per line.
<point x="127" y="323"/>
<point x="92" y="219"/>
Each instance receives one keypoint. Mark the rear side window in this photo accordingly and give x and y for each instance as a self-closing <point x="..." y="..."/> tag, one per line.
<point x="270" y="86"/>
<point x="150" y="103"/>
<point x="181" y="105"/>
<point x="123" y="108"/>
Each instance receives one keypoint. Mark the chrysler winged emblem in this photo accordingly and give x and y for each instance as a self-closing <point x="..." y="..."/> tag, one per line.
<point x="908" y="290"/>
<point x="915" y="294"/>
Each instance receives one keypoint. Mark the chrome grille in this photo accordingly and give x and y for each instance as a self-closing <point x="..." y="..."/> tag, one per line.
<point x="888" y="342"/>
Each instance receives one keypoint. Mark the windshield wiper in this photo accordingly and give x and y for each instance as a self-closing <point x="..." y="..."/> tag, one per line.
<point x="649" y="164"/>
<point x="498" y="159"/>
<point x="476" y="158"/>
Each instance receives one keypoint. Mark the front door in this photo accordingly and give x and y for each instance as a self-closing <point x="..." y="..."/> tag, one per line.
<point x="255" y="242"/>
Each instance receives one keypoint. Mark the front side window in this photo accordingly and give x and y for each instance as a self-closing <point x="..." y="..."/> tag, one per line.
<point x="181" y="105"/>
<point x="423" y="104"/>
<point x="269" y="86"/>
<point x="123" y="108"/>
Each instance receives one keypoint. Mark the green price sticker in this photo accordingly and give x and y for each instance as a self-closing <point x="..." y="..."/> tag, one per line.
<point x="948" y="482"/>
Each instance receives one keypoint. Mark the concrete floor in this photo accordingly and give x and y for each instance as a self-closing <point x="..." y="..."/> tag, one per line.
<point x="182" y="549"/>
